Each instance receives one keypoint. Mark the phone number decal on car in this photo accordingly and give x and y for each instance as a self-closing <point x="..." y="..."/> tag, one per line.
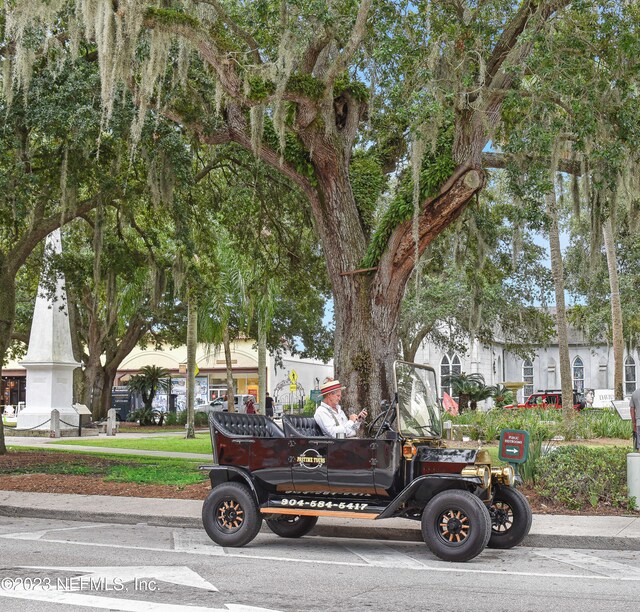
<point x="329" y="505"/>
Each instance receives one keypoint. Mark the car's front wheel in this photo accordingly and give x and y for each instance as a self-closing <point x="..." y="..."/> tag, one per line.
<point x="230" y="515"/>
<point x="292" y="526"/>
<point x="510" y="518"/>
<point x="456" y="525"/>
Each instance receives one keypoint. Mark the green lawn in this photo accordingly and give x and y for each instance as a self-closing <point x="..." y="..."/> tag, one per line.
<point x="120" y="468"/>
<point x="201" y="444"/>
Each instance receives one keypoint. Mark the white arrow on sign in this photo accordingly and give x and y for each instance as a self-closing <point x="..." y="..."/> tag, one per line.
<point x="122" y="575"/>
<point x="513" y="451"/>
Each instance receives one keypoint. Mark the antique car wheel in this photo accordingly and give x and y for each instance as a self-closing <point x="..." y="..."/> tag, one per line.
<point x="456" y="525"/>
<point x="230" y="515"/>
<point x="292" y="526"/>
<point x="510" y="518"/>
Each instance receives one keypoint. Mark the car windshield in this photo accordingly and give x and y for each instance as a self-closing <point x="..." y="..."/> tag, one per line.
<point x="418" y="409"/>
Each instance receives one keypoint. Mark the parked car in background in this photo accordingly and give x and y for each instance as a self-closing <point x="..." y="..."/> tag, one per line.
<point x="217" y="404"/>
<point x="550" y="398"/>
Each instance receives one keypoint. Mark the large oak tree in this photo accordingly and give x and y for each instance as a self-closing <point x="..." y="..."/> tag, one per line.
<point x="312" y="88"/>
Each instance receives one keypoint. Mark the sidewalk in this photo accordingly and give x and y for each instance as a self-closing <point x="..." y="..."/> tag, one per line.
<point x="547" y="531"/>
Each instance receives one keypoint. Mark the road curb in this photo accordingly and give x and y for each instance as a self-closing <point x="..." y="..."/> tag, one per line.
<point x="329" y="529"/>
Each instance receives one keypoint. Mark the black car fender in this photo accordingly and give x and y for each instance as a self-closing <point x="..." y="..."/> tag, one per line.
<point x="220" y="474"/>
<point x="437" y="482"/>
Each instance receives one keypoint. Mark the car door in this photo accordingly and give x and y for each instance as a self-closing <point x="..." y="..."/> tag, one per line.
<point x="308" y="460"/>
<point x="350" y="465"/>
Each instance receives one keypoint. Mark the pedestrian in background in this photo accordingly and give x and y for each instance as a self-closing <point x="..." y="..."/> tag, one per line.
<point x="250" y="405"/>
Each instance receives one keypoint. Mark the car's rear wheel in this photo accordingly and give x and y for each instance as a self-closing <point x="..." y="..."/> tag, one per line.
<point x="230" y="515"/>
<point x="510" y="518"/>
<point x="292" y="526"/>
<point x="456" y="525"/>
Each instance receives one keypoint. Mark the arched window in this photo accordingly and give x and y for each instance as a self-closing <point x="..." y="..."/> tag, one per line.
<point x="527" y="376"/>
<point x="578" y="375"/>
<point x="449" y="366"/>
<point x="629" y="375"/>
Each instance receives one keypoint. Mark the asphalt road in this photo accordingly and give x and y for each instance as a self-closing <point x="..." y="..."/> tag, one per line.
<point x="52" y="565"/>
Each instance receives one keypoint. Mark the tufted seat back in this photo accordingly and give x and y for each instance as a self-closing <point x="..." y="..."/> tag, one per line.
<point x="301" y="427"/>
<point x="239" y="425"/>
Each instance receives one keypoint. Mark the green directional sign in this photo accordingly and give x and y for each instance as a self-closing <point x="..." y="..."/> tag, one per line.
<point x="514" y="445"/>
<point x="316" y="396"/>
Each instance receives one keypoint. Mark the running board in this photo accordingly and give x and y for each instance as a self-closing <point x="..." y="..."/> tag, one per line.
<point x="307" y="505"/>
<point x="335" y="513"/>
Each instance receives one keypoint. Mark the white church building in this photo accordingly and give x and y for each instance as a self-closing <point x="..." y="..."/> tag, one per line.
<point x="591" y="365"/>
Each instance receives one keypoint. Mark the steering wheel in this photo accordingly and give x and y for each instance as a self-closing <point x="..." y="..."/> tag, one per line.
<point x="383" y="421"/>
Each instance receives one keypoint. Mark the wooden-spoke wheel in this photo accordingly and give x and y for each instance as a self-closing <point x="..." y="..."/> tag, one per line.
<point x="510" y="518"/>
<point x="230" y="515"/>
<point x="456" y="525"/>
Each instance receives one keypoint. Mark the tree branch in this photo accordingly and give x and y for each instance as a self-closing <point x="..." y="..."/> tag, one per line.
<point x="513" y="30"/>
<point x="41" y="229"/>
<point x="502" y="160"/>
<point x="357" y="34"/>
<point x="237" y="30"/>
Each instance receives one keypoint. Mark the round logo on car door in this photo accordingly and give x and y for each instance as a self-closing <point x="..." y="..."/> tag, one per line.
<point x="311" y="459"/>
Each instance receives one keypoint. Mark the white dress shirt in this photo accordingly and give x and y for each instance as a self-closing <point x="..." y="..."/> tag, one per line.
<point x="333" y="422"/>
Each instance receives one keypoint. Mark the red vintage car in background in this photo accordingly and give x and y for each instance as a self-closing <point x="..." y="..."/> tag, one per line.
<point x="550" y="398"/>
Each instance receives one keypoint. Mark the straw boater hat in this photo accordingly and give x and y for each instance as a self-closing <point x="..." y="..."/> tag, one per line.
<point x="329" y="386"/>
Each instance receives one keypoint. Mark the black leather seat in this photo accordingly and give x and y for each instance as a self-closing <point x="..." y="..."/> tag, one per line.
<point x="239" y="425"/>
<point x="301" y="427"/>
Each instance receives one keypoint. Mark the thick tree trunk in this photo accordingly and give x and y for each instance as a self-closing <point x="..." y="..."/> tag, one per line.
<point x="616" y="309"/>
<point x="94" y="386"/>
<point x="367" y="305"/>
<point x="192" y="345"/>
<point x="566" y="380"/>
<point x="226" y="343"/>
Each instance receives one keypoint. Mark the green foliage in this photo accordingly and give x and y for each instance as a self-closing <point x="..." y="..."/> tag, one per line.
<point x="435" y="170"/>
<point x="579" y="476"/>
<point x="502" y="396"/>
<point x="150" y="380"/>
<point x="158" y="471"/>
<point x="200" y="419"/>
<point x="145" y="416"/>
<point x="529" y="469"/>
<point x="470" y="388"/>
<point x="306" y="85"/>
<point x="170" y="17"/>
<point x="367" y="183"/>
<point x="260" y="89"/>
<point x="355" y="88"/>
<point x="309" y="407"/>
<point x="545" y="424"/>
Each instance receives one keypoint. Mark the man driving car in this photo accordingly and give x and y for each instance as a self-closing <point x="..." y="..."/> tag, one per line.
<point x="329" y="415"/>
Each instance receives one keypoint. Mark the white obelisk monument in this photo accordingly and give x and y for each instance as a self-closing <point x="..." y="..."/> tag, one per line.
<point x="49" y="360"/>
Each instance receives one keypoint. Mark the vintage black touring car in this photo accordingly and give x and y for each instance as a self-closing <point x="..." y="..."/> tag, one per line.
<point x="291" y="476"/>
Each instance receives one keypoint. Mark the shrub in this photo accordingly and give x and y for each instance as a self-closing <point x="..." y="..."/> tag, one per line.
<point x="171" y="419"/>
<point x="577" y="476"/>
<point x="607" y="424"/>
<point x="200" y="419"/>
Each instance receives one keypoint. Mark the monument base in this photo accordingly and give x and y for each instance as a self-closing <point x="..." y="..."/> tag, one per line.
<point x="38" y="420"/>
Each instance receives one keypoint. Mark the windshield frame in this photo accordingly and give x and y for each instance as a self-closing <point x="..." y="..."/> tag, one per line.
<point x="418" y="411"/>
